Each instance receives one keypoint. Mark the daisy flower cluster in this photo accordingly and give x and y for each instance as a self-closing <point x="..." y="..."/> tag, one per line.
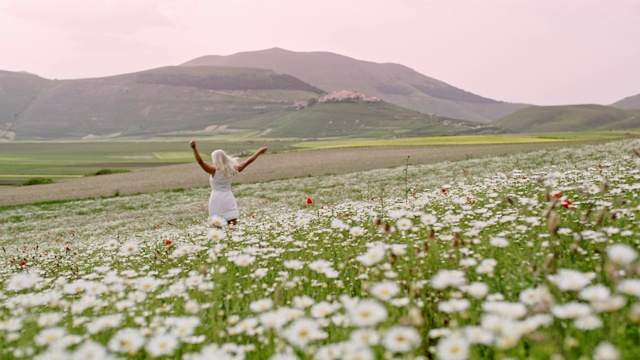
<point x="521" y="256"/>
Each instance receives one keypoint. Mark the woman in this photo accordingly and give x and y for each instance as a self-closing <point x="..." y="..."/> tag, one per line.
<point x="222" y="203"/>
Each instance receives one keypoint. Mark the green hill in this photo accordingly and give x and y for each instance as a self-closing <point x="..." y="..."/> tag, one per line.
<point x="569" y="118"/>
<point x="392" y="83"/>
<point x="629" y="103"/>
<point x="362" y="119"/>
<point x="174" y="100"/>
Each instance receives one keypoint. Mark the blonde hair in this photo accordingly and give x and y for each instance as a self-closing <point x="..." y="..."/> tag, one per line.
<point x="227" y="165"/>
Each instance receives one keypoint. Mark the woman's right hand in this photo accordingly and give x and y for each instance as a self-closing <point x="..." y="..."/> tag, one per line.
<point x="192" y="143"/>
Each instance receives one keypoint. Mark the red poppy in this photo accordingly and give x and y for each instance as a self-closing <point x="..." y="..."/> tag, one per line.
<point x="309" y="201"/>
<point x="444" y="191"/>
<point x="168" y="242"/>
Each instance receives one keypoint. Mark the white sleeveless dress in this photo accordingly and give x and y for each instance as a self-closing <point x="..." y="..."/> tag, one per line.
<point x="222" y="202"/>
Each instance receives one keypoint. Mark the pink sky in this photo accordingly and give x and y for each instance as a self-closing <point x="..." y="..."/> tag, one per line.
<point x="542" y="52"/>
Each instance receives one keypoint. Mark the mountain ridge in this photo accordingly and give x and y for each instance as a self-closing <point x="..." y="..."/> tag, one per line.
<point x="394" y="83"/>
<point x="259" y="92"/>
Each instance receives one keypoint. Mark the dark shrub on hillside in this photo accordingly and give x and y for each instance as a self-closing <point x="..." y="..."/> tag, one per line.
<point x="37" y="181"/>
<point x="108" y="171"/>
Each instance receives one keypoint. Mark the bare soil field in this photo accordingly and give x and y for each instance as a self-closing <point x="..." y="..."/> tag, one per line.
<point x="267" y="167"/>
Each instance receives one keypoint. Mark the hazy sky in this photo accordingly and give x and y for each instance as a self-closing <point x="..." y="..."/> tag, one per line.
<point x="542" y="52"/>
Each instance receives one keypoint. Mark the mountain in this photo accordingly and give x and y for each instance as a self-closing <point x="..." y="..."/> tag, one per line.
<point x="392" y="83"/>
<point x="173" y="100"/>
<point x="631" y="102"/>
<point x="17" y="91"/>
<point x="154" y="101"/>
<point x="569" y="118"/>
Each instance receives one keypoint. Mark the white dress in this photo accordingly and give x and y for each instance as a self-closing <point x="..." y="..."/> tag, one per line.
<point x="222" y="202"/>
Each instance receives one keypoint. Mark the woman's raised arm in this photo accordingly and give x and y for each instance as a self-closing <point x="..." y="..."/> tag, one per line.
<point x="205" y="166"/>
<point x="251" y="159"/>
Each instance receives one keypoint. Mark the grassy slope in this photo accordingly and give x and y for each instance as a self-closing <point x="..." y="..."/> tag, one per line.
<point x="631" y="102"/>
<point x="570" y="118"/>
<point x="380" y="119"/>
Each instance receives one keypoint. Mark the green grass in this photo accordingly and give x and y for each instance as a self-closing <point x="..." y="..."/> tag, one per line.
<point x="371" y="120"/>
<point x="588" y="135"/>
<point x="20" y="161"/>
<point x="570" y="118"/>
<point x="464" y="140"/>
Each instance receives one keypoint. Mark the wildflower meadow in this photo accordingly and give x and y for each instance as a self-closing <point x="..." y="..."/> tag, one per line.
<point x="526" y="256"/>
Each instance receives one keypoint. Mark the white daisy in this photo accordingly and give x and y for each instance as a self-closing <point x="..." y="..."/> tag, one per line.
<point x="629" y="287"/>
<point x="568" y="279"/>
<point x="621" y="254"/>
<point x="400" y="339"/>
<point x="261" y="305"/>
<point x="244" y="260"/>
<point x="127" y="341"/>
<point x="50" y="336"/>
<point x="216" y="234"/>
<point x="160" y="345"/>
<point x="385" y="290"/>
<point x="129" y="248"/>
<point x="404" y="224"/>
<point x="589" y="322"/>
<point x="367" y="313"/>
<point x="303" y="331"/>
<point x="373" y="256"/>
<point x="22" y="281"/>
<point x="606" y="351"/>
